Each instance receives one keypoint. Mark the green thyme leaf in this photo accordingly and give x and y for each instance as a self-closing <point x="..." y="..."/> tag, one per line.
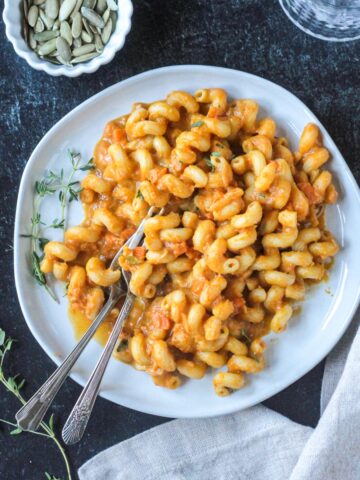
<point x="88" y="166"/>
<point x="139" y="195"/>
<point x="215" y="154"/>
<point x="51" y="477"/>
<point x="51" y="422"/>
<point x="16" y="431"/>
<point x="36" y="271"/>
<point x="42" y="242"/>
<point x="2" y="337"/>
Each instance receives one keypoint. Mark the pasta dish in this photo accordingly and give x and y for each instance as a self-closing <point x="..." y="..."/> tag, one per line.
<point x="242" y="234"/>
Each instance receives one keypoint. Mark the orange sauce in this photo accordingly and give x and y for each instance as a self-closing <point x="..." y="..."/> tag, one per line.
<point x="81" y="323"/>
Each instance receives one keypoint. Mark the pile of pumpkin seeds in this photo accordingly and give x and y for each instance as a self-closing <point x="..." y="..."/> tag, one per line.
<point x="69" y="31"/>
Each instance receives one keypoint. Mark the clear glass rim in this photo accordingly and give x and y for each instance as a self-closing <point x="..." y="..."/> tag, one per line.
<point x="320" y="36"/>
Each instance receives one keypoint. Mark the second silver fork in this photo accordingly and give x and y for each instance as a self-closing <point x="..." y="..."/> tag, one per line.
<point x="77" y="421"/>
<point x="32" y="413"/>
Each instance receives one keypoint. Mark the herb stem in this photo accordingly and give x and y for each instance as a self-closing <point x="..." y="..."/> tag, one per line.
<point x="13" y="386"/>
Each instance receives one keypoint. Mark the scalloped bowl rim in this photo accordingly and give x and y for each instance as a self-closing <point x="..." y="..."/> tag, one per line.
<point x="115" y="43"/>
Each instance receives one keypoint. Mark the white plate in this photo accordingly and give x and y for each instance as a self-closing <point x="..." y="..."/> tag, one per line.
<point x="310" y="335"/>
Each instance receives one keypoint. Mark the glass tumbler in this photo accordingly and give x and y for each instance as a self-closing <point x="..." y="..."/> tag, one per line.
<point x="332" y="20"/>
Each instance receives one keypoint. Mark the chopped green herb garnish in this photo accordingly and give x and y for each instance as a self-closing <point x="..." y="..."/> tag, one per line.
<point x="199" y="123"/>
<point x="245" y="335"/>
<point x="209" y="163"/>
<point x="139" y="195"/>
<point x="215" y="154"/>
<point x="132" y="260"/>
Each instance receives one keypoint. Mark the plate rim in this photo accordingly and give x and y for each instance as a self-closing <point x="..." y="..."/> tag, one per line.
<point x="227" y="408"/>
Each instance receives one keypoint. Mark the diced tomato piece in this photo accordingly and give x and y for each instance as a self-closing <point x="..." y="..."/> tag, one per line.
<point x="118" y="135"/>
<point x="213" y="112"/>
<point x="156" y="173"/>
<point x="125" y="234"/>
<point x="161" y="320"/>
<point x="193" y="254"/>
<point x="239" y="304"/>
<point x="139" y="252"/>
<point x="309" y="191"/>
<point x="178" y="248"/>
<point x="108" y="130"/>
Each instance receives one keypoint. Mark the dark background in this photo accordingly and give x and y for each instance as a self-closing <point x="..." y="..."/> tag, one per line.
<point x="254" y="36"/>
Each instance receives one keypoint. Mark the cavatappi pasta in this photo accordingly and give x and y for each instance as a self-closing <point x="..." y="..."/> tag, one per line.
<point x="242" y="234"/>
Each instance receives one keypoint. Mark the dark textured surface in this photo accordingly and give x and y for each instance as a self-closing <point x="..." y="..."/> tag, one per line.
<point x="254" y="36"/>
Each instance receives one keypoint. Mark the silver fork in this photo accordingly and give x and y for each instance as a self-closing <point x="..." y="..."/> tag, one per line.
<point x="32" y="413"/>
<point x="77" y="421"/>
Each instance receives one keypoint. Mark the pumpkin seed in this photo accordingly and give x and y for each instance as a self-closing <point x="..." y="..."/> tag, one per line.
<point x="93" y="28"/>
<point x="26" y="31"/>
<point x="66" y="8"/>
<point x="52" y="8"/>
<point x="112" y="4"/>
<point x="63" y="49"/>
<point x="84" y="58"/>
<point x="105" y="35"/>
<point x="87" y="26"/>
<point x="76" y="9"/>
<point x="89" y="4"/>
<point x="85" y="37"/>
<point x="45" y="36"/>
<point x="84" y="49"/>
<point x="93" y="17"/>
<point x="33" y="15"/>
<point x="52" y="60"/>
<point x="106" y="15"/>
<point x="76" y="27"/>
<point x="113" y="16"/>
<point x="77" y="42"/>
<point x="32" y="40"/>
<point x="65" y="32"/>
<point x="38" y="2"/>
<point x="25" y="24"/>
<point x="56" y="25"/>
<point x="48" y="22"/>
<point x="47" y="47"/>
<point x="101" y="6"/>
<point x="99" y="47"/>
<point x="39" y="26"/>
<point x="26" y="8"/>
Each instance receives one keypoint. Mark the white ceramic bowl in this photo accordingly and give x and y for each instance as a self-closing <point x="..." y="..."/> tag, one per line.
<point x="310" y="335"/>
<point x="13" y="18"/>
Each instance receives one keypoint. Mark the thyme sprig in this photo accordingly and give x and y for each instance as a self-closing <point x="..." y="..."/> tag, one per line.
<point x="68" y="190"/>
<point x="14" y="385"/>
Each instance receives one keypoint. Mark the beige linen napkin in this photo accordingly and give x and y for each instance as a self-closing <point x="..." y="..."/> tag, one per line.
<point x="256" y="444"/>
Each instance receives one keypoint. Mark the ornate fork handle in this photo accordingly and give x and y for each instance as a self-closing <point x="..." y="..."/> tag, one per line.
<point x="76" y="423"/>
<point x="31" y="414"/>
